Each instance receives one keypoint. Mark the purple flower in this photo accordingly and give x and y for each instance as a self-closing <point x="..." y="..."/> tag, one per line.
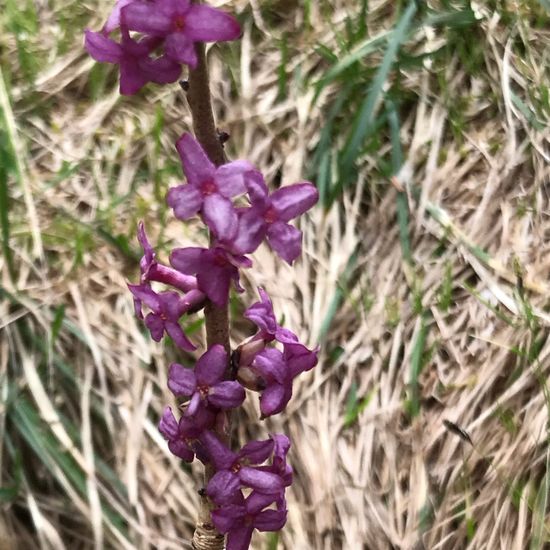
<point x="180" y="23"/>
<point x="151" y="270"/>
<point x="233" y="470"/>
<point x="239" y="518"/>
<point x="136" y="66"/>
<point x="206" y="385"/>
<point x="215" y="268"/>
<point x="166" y="311"/>
<point x="262" y="315"/>
<point x="269" y="217"/>
<point x="209" y="189"/>
<point x="299" y="358"/>
<point x="278" y="370"/>
<point x="279" y="464"/>
<point x="273" y="369"/>
<point x="183" y="436"/>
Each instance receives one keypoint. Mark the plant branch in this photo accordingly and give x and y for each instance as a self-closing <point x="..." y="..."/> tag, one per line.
<point x="206" y="537"/>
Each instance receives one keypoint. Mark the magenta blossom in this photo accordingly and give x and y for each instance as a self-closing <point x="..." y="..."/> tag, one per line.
<point x="236" y="470"/>
<point x="205" y="385"/>
<point x="136" y="66"/>
<point x="209" y="188"/>
<point x="274" y="212"/>
<point x="180" y="23"/>
<point x="278" y="370"/>
<point x="184" y="436"/>
<point x="215" y="268"/>
<point x="262" y="315"/>
<point x="279" y="464"/>
<point x="166" y="310"/>
<point x="239" y="518"/>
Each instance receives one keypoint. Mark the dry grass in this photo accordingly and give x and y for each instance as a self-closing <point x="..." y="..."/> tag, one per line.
<point x="459" y="331"/>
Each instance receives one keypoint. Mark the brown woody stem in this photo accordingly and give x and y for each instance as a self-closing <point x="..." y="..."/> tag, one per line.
<point x="206" y="537"/>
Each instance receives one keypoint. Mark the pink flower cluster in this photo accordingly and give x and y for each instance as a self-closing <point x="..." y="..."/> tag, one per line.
<point x="248" y="487"/>
<point x="163" y="37"/>
<point x="234" y="203"/>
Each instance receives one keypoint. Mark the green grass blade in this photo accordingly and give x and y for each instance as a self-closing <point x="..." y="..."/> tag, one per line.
<point x="365" y="48"/>
<point x="5" y="163"/>
<point x="9" y="125"/>
<point x="375" y="93"/>
<point x="401" y="201"/>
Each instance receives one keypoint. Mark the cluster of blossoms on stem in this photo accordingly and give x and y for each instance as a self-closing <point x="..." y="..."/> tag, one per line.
<point x="248" y="486"/>
<point x="156" y="37"/>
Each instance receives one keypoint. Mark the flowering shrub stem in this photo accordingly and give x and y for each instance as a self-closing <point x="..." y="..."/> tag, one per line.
<point x="234" y="202"/>
<point x="206" y="536"/>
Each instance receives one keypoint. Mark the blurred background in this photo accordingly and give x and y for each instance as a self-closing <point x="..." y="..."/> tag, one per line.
<point x="425" y="274"/>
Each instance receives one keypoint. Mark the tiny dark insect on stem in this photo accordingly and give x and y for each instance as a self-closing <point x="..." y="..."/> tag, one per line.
<point x="457" y="430"/>
<point x="223" y="137"/>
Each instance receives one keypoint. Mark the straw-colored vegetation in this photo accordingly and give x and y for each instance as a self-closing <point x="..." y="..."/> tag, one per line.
<point x="425" y="275"/>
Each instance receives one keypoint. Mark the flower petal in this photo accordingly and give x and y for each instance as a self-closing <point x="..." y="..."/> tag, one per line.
<point x="223" y="486"/>
<point x="171" y="305"/>
<point x="263" y="482"/>
<point x="181" y="450"/>
<point x="229" y="517"/>
<point x="101" y="48"/>
<point x="231" y="177"/>
<point x="285" y="336"/>
<point x="196" y="164"/>
<point x="256" y="452"/>
<point x="181" y="381"/>
<point x="155" y="325"/>
<point x="293" y="200"/>
<point x="172" y="8"/>
<point x="239" y="539"/>
<point x="285" y="240"/>
<point x="148" y="251"/>
<point x="256" y="502"/>
<point x="257" y="189"/>
<point x="214" y="282"/>
<point x="250" y="232"/>
<point x="168" y="425"/>
<point x="147" y="295"/>
<point x="207" y="24"/>
<point x="194" y="405"/>
<point x="162" y="70"/>
<point x="145" y="17"/>
<point x="220" y="216"/>
<point x="222" y="457"/>
<point x="270" y="520"/>
<point x="226" y="395"/>
<point x="211" y="366"/>
<point x="271" y="364"/>
<point x="274" y="399"/>
<point x="132" y="78"/>
<point x="189" y="260"/>
<point x="299" y="358"/>
<point x="179" y="48"/>
<point x="262" y="315"/>
<point x="186" y="200"/>
<point x="177" y="334"/>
